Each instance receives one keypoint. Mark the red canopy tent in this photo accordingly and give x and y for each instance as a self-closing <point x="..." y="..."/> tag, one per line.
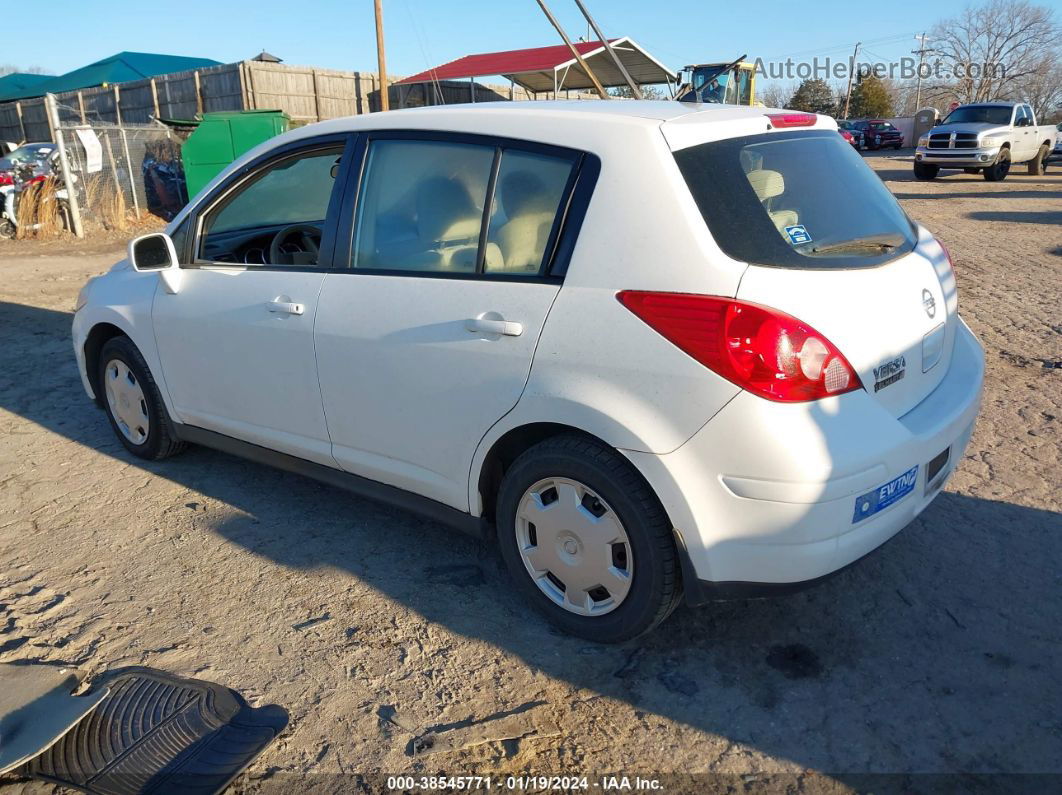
<point x="554" y="69"/>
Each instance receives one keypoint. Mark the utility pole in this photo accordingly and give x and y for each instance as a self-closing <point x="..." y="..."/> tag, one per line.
<point x="380" y="58"/>
<point x="921" y="53"/>
<point x="578" y="57"/>
<point x="851" y="71"/>
<point x="637" y="92"/>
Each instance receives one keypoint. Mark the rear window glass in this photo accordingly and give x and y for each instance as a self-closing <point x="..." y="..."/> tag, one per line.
<point x="800" y="199"/>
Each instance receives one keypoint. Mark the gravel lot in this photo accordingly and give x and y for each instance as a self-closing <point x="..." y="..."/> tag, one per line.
<point x="938" y="655"/>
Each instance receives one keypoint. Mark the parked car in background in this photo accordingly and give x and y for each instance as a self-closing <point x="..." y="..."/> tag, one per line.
<point x="30" y="160"/>
<point x="855" y="132"/>
<point x="538" y="321"/>
<point x="848" y="137"/>
<point x="879" y="134"/>
<point x="989" y="137"/>
<point x="1056" y="153"/>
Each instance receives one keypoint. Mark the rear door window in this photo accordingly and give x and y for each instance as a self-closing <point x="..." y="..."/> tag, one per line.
<point x="802" y="199"/>
<point x="459" y="208"/>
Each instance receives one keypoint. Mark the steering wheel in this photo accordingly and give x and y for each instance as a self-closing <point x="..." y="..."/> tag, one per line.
<point x="305" y="252"/>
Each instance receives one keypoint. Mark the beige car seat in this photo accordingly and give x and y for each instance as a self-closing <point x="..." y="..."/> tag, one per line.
<point x="448" y="224"/>
<point x="768" y="185"/>
<point x="523" y="237"/>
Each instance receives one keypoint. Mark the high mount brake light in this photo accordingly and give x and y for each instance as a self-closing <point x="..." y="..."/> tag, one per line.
<point x="792" y="119"/>
<point x="760" y="349"/>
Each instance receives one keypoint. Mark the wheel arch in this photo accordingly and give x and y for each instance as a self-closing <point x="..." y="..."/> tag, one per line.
<point x="506" y="449"/>
<point x="97" y="337"/>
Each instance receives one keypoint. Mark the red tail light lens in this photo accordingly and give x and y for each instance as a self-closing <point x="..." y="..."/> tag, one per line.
<point x="947" y="254"/>
<point x="760" y="349"/>
<point x="792" y="119"/>
<point x="6" y="179"/>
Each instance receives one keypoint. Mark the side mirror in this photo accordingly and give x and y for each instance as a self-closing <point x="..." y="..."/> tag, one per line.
<point x="156" y="252"/>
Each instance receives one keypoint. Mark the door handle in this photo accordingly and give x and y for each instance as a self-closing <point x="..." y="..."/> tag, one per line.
<point x="485" y="325"/>
<point x="287" y="307"/>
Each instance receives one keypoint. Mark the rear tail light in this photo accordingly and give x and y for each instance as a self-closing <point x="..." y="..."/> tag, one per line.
<point x="760" y="349"/>
<point x="947" y="254"/>
<point x="793" y="119"/>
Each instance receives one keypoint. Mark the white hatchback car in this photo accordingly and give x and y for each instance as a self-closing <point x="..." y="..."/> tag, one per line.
<point x="659" y="350"/>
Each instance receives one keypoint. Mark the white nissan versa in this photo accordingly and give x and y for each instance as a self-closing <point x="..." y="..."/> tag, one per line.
<point x="660" y="350"/>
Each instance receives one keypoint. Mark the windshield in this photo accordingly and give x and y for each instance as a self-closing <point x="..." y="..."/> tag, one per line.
<point x="31" y="153"/>
<point x="979" y="114"/>
<point x="795" y="199"/>
<point x="881" y="125"/>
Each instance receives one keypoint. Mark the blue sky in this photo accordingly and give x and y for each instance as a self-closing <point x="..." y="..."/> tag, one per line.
<point x="339" y="34"/>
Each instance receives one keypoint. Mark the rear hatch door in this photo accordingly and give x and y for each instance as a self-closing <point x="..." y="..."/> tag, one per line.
<point x="827" y="243"/>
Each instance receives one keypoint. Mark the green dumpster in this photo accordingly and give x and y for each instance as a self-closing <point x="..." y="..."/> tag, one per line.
<point x="222" y="137"/>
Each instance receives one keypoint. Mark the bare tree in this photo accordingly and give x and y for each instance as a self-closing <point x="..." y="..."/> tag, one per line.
<point x="991" y="49"/>
<point x="775" y="94"/>
<point x="9" y="68"/>
<point x="1042" y="88"/>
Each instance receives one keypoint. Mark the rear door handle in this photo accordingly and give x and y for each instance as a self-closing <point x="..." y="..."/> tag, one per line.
<point x="485" y="325"/>
<point x="287" y="307"/>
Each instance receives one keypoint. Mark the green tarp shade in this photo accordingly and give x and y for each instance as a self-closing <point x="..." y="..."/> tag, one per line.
<point x="16" y="84"/>
<point x="120" y="68"/>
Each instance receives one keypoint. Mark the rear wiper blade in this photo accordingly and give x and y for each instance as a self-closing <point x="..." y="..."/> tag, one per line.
<point x="854" y="244"/>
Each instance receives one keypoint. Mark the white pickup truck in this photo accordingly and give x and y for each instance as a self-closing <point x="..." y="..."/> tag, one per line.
<point x="988" y="137"/>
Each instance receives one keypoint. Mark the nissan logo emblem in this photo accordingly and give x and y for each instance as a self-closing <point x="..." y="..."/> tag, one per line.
<point x="929" y="303"/>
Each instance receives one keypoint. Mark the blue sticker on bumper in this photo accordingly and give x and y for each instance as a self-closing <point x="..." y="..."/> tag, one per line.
<point x="882" y="497"/>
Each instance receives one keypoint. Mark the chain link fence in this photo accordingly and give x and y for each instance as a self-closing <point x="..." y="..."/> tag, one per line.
<point x="122" y="172"/>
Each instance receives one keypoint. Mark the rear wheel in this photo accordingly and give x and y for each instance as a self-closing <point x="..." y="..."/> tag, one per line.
<point x="997" y="172"/>
<point x="926" y="171"/>
<point x="133" y="403"/>
<point x="1038" y="165"/>
<point x="586" y="540"/>
<point x="7" y="229"/>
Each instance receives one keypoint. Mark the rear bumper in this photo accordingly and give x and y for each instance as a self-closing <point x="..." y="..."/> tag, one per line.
<point x="957" y="158"/>
<point x="764" y="497"/>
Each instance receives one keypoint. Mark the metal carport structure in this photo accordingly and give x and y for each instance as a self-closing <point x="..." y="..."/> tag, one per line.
<point x="553" y="69"/>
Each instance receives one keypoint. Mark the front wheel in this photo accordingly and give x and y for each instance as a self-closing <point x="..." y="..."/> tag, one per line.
<point x="1038" y="165"/>
<point x="133" y="403"/>
<point x="926" y="171"/>
<point x="586" y="540"/>
<point x="7" y="229"/>
<point x="997" y="172"/>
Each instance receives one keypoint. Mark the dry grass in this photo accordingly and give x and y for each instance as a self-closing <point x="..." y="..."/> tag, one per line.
<point x="38" y="212"/>
<point x="105" y="204"/>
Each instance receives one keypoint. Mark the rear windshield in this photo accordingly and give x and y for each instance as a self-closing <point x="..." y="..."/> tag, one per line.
<point x="798" y="199"/>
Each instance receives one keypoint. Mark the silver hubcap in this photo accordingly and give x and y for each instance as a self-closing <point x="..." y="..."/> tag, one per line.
<point x="125" y="398"/>
<point x="574" y="547"/>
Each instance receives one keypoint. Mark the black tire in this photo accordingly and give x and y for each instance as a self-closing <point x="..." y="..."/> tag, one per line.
<point x="897" y="147"/>
<point x="656" y="587"/>
<point x="926" y="171"/>
<point x="1038" y="165"/>
<point x="159" y="442"/>
<point x="7" y="229"/>
<point x="997" y="172"/>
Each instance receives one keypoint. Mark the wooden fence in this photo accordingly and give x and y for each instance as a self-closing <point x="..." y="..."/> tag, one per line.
<point x="306" y="94"/>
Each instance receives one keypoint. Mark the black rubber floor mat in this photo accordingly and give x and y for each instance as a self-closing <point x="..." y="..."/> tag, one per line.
<point x="158" y="733"/>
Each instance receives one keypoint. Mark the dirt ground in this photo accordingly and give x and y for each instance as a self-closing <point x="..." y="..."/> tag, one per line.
<point x="938" y="655"/>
